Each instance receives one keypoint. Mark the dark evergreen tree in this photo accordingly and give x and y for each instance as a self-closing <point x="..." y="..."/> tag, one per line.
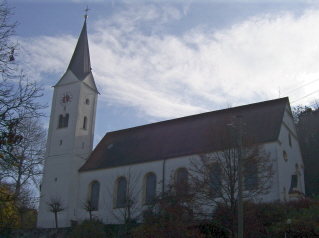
<point x="307" y="124"/>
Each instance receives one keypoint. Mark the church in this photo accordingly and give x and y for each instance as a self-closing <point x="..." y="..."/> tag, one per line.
<point x="144" y="160"/>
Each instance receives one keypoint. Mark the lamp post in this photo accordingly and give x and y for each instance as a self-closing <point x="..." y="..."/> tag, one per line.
<point x="288" y="223"/>
<point x="239" y="140"/>
<point x="240" y="179"/>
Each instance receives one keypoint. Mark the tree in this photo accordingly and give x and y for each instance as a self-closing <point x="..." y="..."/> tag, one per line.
<point x="18" y="96"/>
<point x="172" y="214"/>
<point x="215" y="174"/>
<point x="18" y="106"/>
<point x="26" y="205"/>
<point x="307" y="125"/>
<point x="23" y="160"/>
<point x="9" y="218"/>
<point x="126" y="208"/>
<point x="7" y="49"/>
<point x="55" y="205"/>
<point x="88" y="206"/>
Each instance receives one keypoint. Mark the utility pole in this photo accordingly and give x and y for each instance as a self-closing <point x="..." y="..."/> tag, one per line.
<point x="240" y="178"/>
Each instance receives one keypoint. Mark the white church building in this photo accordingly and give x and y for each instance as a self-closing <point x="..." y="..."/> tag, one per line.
<point x="152" y="155"/>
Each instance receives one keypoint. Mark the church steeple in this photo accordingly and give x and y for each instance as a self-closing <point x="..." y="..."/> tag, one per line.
<point x="71" y="134"/>
<point x="80" y="63"/>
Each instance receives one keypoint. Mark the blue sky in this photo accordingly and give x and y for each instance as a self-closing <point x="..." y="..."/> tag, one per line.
<point x="158" y="60"/>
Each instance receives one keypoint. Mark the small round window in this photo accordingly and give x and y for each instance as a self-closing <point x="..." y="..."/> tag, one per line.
<point x="87" y="101"/>
<point x="285" y="156"/>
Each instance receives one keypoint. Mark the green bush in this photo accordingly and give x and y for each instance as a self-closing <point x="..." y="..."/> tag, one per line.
<point x="89" y="229"/>
<point x="270" y="219"/>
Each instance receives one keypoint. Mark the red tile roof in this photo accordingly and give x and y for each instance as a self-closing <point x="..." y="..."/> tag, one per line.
<point x="184" y="136"/>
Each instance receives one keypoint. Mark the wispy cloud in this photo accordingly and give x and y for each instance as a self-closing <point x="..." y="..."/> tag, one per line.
<point x="136" y="63"/>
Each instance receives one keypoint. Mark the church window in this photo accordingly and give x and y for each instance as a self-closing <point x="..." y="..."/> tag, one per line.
<point x="87" y="101"/>
<point x="215" y="180"/>
<point x="121" y="192"/>
<point x="182" y="182"/>
<point x="60" y="142"/>
<point x="60" y="121"/>
<point x="66" y="120"/>
<point x="84" y="123"/>
<point x="95" y="192"/>
<point x="63" y="121"/>
<point x="284" y="154"/>
<point x="285" y="194"/>
<point x="295" y="180"/>
<point x="289" y="138"/>
<point x="251" y="175"/>
<point x="150" y="189"/>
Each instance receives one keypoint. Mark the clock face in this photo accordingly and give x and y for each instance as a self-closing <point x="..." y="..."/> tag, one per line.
<point x="66" y="99"/>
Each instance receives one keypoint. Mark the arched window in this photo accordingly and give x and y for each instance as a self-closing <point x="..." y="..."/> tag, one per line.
<point x="63" y="121"/>
<point x="84" y="123"/>
<point x="284" y="154"/>
<point x="251" y="175"/>
<point x="66" y="120"/>
<point x="150" y="189"/>
<point x="215" y="180"/>
<point x="285" y="194"/>
<point x="289" y="139"/>
<point x="182" y="182"/>
<point x="121" y="192"/>
<point x="87" y="101"/>
<point x="95" y="192"/>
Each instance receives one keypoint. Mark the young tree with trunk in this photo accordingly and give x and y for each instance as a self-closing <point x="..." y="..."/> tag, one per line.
<point x="126" y="194"/>
<point x="88" y="206"/>
<point x="55" y="205"/>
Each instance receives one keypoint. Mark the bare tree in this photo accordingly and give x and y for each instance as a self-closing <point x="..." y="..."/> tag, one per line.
<point x="26" y="204"/>
<point x="18" y="96"/>
<point x="18" y="103"/>
<point x="215" y="174"/>
<point x="88" y="206"/>
<point x="171" y="214"/>
<point x="7" y="49"/>
<point x="22" y="161"/>
<point x="126" y="194"/>
<point x="55" y="205"/>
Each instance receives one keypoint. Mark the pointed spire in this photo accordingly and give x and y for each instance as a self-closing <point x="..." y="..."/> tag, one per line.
<point x="80" y="62"/>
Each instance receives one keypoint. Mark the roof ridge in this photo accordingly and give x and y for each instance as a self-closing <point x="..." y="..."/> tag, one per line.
<point x="203" y="113"/>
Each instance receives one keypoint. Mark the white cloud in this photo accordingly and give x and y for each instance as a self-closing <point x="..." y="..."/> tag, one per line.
<point x="45" y="55"/>
<point x="135" y="63"/>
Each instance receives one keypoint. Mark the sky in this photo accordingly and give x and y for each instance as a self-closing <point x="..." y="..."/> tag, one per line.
<point x="156" y="60"/>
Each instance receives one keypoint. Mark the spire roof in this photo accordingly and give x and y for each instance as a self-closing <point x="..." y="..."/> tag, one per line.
<point x="80" y="63"/>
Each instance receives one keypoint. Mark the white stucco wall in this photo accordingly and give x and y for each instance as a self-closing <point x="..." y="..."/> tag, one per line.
<point x="288" y="168"/>
<point x="107" y="179"/>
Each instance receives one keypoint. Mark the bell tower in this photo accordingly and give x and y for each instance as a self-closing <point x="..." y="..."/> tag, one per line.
<point x="70" y="136"/>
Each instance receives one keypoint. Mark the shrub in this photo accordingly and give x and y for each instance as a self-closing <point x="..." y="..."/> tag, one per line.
<point x="270" y="219"/>
<point x="89" y="229"/>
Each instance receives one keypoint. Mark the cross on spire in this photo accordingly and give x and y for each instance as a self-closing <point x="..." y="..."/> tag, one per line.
<point x="86" y="12"/>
